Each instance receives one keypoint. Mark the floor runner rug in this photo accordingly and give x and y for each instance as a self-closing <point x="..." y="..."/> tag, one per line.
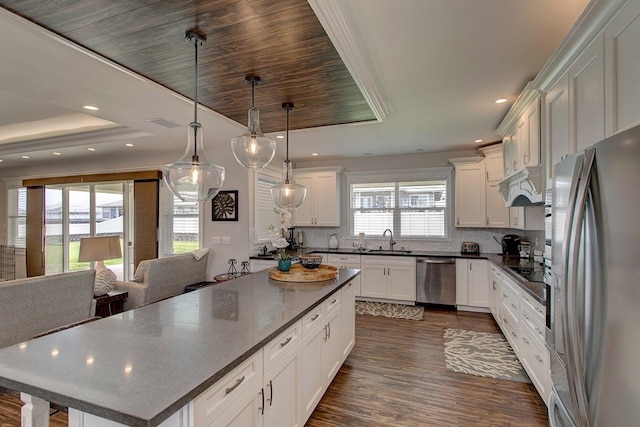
<point x="481" y="354"/>
<point x="397" y="311"/>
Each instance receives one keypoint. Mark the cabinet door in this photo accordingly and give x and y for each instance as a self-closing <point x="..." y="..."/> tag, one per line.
<point x="246" y="411"/>
<point x="557" y="114"/>
<point x="494" y="164"/>
<point x="326" y="200"/>
<point x="622" y="37"/>
<point x="282" y="386"/>
<point x="402" y="283"/>
<point x="313" y="383"/>
<point x="521" y="147"/>
<point x="586" y="88"/>
<point x="374" y="281"/>
<point x="531" y="148"/>
<point x="497" y="211"/>
<point x="462" y="282"/>
<point x="348" y="327"/>
<point x="517" y="217"/>
<point x="478" y="283"/>
<point x="332" y="349"/>
<point x="304" y="214"/>
<point x="470" y="195"/>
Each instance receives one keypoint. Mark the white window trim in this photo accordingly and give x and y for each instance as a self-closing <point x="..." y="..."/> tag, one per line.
<point x="416" y="174"/>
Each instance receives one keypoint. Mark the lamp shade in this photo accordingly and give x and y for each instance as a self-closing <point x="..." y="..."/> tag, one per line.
<point x="99" y="248"/>
<point x="253" y="149"/>
<point x="288" y="194"/>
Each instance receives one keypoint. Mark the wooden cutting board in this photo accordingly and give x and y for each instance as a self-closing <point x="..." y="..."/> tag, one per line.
<point x="300" y="274"/>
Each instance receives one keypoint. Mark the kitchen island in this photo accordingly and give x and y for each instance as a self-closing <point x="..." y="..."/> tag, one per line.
<point x="145" y="367"/>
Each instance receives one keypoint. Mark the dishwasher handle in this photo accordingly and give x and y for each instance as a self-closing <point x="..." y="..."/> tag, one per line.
<point x="436" y="260"/>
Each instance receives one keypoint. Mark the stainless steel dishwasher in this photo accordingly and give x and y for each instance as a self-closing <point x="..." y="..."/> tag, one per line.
<point x="436" y="280"/>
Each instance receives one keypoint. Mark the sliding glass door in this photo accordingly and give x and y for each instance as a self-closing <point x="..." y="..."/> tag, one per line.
<point x="85" y="210"/>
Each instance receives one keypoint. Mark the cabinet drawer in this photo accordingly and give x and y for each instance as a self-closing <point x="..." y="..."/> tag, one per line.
<point x="280" y="346"/>
<point x="532" y="322"/>
<point x="511" y="330"/>
<point x="536" y="308"/>
<point x="332" y="303"/>
<point x="213" y="402"/>
<point x="339" y="259"/>
<point x="312" y="319"/>
<point x="511" y="302"/>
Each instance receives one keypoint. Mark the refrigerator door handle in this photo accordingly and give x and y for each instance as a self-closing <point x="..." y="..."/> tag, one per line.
<point x="575" y="341"/>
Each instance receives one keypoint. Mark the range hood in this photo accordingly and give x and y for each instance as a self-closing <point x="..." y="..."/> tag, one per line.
<point x="523" y="188"/>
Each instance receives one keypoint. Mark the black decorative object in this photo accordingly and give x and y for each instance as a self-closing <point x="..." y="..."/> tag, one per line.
<point x="232" y="272"/>
<point x="245" y="268"/>
<point x="224" y="207"/>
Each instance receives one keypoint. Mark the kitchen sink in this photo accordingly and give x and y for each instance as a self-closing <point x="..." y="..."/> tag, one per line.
<point x="387" y="251"/>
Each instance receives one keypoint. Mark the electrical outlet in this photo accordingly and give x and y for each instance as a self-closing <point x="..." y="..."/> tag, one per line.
<point x="217" y="240"/>
<point x="226" y="240"/>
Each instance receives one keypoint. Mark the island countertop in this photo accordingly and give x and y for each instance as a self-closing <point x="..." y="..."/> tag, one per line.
<point x="139" y="367"/>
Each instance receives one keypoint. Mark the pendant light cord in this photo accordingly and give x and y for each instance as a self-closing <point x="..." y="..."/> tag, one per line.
<point x="195" y="102"/>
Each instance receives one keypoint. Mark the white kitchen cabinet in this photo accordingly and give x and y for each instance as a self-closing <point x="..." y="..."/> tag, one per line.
<point x="347" y="261"/>
<point x="388" y="277"/>
<point x="321" y="351"/>
<point x="534" y="354"/>
<point x="509" y="151"/>
<point x="321" y="206"/>
<point x="557" y="125"/>
<point x="622" y="79"/>
<point x="494" y="162"/>
<point x="246" y="411"/>
<point x="470" y="200"/>
<point x="496" y="211"/>
<point x="348" y="318"/>
<point x="472" y="279"/>
<point x="529" y="137"/>
<point x="282" y="381"/>
<point x="510" y="313"/>
<point x="495" y="287"/>
<point x="526" y="217"/>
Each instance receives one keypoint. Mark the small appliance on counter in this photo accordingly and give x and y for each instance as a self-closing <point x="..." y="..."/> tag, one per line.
<point x="525" y="249"/>
<point x="470" y="248"/>
<point x="511" y="245"/>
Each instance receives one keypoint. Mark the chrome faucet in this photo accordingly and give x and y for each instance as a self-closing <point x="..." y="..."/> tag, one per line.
<point x="391" y="242"/>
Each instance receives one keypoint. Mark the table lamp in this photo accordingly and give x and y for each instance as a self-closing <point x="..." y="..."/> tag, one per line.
<point x="99" y="249"/>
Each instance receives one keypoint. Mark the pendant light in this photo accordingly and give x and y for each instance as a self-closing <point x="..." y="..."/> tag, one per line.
<point x="193" y="178"/>
<point x="288" y="194"/>
<point x="253" y="149"/>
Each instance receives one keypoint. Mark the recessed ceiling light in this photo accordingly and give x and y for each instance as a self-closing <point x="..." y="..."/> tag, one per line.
<point x="91" y="149"/>
<point x="1" y="160"/>
<point x="501" y="100"/>
<point x="280" y="137"/>
<point x="55" y="153"/>
<point x="90" y="107"/>
<point x="25" y="157"/>
<point x="478" y="140"/>
<point x="314" y="154"/>
<point x="128" y="144"/>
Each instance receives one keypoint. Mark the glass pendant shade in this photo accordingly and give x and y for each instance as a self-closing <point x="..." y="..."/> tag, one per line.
<point x="193" y="177"/>
<point x="288" y="194"/>
<point x="253" y="149"/>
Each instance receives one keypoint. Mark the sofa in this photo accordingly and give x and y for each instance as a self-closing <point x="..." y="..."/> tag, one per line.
<point x="161" y="278"/>
<point x="35" y="305"/>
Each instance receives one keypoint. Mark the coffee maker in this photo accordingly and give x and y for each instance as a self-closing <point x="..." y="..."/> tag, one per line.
<point x="292" y="238"/>
<point x="511" y="244"/>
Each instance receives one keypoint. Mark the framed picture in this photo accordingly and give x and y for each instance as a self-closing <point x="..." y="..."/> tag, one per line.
<point x="224" y="206"/>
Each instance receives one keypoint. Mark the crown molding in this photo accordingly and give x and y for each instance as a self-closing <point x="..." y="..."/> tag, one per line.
<point x="333" y="19"/>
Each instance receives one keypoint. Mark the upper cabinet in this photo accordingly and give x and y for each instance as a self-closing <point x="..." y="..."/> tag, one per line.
<point x="622" y="65"/>
<point x="321" y="206"/>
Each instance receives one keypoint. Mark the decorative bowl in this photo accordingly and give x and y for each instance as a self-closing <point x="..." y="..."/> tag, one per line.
<point x="310" y="261"/>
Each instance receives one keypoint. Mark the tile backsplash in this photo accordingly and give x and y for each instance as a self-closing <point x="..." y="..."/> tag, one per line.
<point x="319" y="238"/>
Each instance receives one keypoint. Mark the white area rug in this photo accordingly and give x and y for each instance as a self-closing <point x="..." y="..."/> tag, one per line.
<point x="481" y="354"/>
<point x="397" y="311"/>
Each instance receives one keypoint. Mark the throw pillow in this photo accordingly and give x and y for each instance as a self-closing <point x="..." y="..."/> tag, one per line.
<point x="138" y="276"/>
<point x="104" y="283"/>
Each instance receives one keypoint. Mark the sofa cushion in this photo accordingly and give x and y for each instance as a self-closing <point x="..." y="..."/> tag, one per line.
<point x="138" y="276"/>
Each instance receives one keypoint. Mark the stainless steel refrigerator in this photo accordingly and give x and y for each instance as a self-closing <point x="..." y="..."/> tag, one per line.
<point x="594" y="334"/>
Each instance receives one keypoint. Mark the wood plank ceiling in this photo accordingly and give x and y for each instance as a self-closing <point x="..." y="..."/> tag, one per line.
<point x="281" y="41"/>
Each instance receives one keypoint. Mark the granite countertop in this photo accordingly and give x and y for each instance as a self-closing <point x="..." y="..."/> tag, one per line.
<point x="141" y="366"/>
<point x="536" y="289"/>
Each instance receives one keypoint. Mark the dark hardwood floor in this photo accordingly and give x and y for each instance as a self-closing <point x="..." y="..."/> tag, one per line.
<point x="395" y="376"/>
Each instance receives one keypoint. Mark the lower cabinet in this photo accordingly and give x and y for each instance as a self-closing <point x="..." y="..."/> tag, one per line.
<point x="347" y="261"/>
<point x="495" y="284"/>
<point x="281" y="384"/>
<point x="321" y="351"/>
<point x="388" y="277"/>
<point x="472" y="288"/>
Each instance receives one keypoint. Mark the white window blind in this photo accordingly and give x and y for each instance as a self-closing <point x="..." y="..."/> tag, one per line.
<point x="264" y="215"/>
<point x="181" y="225"/>
<point x="17" y="217"/>
<point x="408" y="208"/>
